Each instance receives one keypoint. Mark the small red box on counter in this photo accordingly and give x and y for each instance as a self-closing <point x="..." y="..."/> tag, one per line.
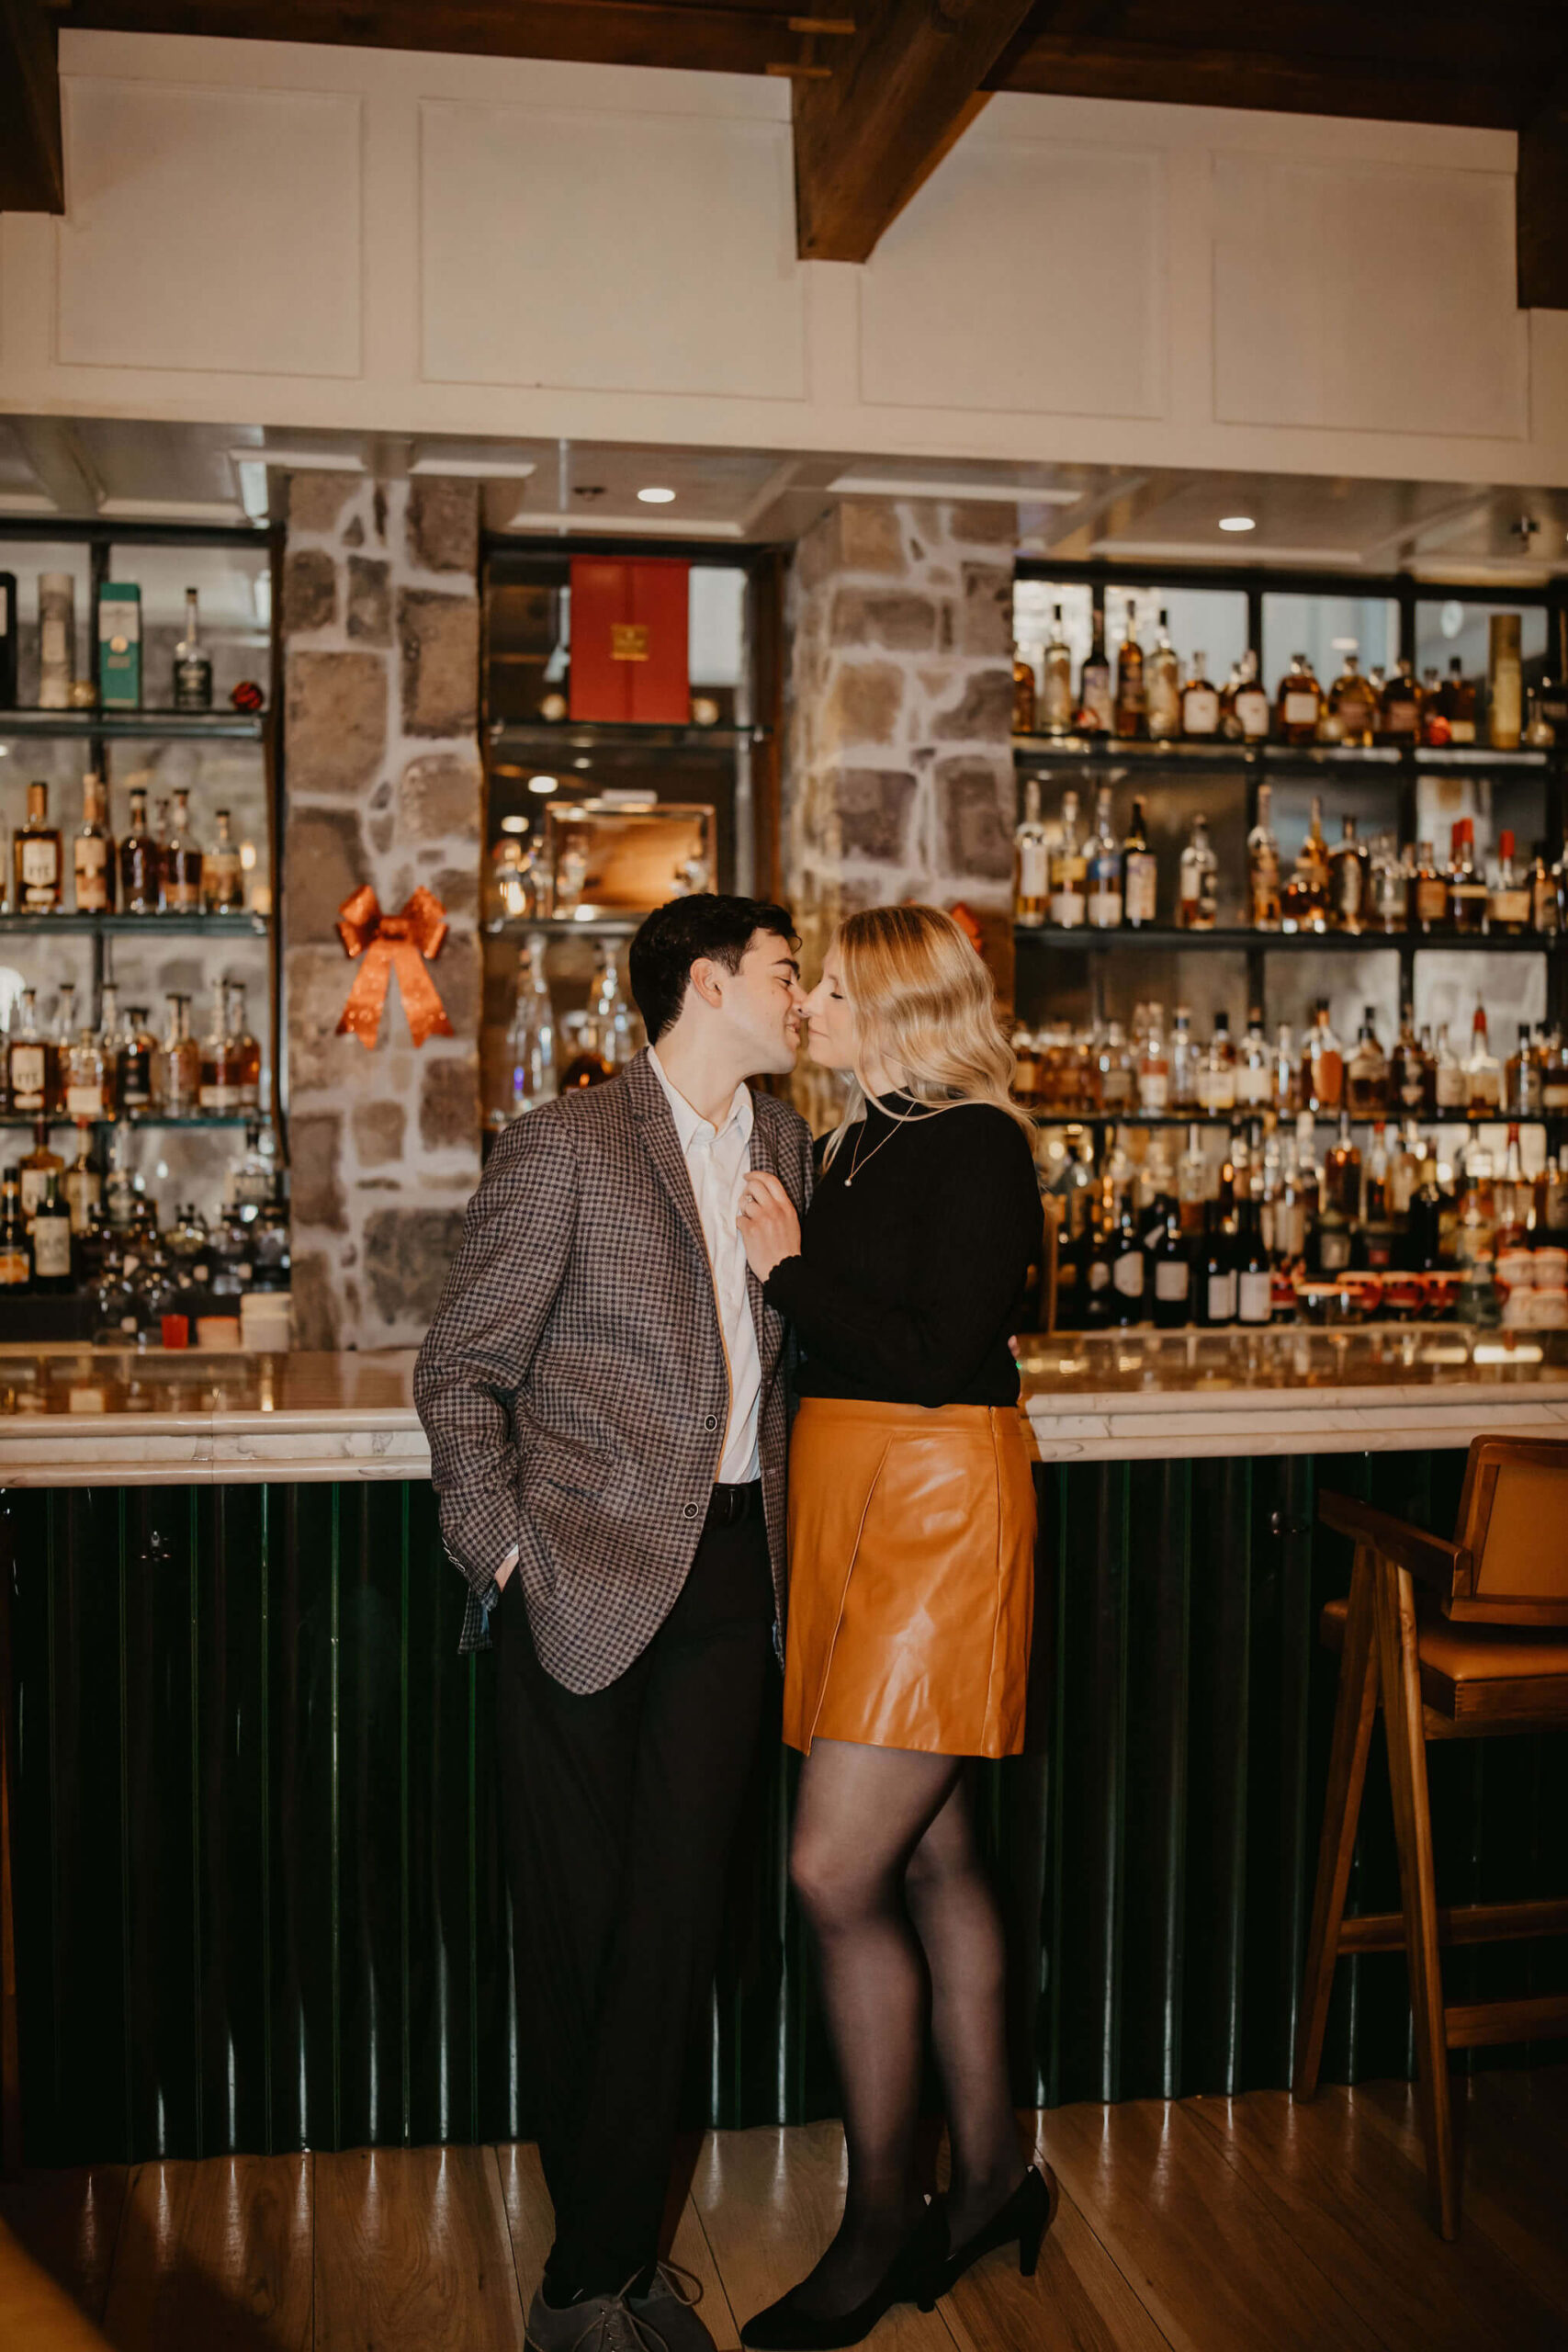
<point x="628" y="639"/>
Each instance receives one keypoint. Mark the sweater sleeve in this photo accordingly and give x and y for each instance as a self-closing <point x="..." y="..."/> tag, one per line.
<point x="977" y="1231"/>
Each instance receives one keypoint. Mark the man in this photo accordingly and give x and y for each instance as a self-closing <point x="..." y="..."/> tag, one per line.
<point x="602" y="1394"/>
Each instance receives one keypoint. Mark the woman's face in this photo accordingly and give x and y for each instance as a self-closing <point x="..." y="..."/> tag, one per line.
<point x="829" y="1018"/>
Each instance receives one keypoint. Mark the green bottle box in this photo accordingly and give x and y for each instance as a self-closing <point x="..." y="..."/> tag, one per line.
<point x="119" y="646"/>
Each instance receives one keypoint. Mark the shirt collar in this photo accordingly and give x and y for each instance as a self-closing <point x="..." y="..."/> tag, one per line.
<point x="690" y="1124"/>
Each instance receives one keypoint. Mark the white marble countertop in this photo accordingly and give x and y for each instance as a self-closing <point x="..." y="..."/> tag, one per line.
<point x="107" y="1417"/>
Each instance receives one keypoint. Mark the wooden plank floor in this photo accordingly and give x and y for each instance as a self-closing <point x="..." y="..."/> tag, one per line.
<point x="1208" y="2225"/>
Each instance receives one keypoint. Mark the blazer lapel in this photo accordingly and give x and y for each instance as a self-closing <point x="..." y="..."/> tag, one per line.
<point x="764" y="1161"/>
<point x="663" y="1146"/>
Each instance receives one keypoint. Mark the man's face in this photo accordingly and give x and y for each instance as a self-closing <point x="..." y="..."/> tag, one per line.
<point x="761" y="1003"/>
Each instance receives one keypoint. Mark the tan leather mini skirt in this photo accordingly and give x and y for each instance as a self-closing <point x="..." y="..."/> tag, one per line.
<point x="911" y="1590"/>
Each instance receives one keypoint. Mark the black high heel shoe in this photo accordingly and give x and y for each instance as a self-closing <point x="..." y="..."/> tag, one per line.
<point x="784" y="2327"/>
<point x="1023" y="2221"/>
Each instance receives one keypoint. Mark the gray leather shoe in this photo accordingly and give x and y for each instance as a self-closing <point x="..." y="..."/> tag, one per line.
<point x="597" y="2324"/>
<point x="669" y="2310"/>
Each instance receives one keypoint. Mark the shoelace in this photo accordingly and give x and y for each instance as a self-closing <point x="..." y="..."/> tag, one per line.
<point x="683" y="2285"/>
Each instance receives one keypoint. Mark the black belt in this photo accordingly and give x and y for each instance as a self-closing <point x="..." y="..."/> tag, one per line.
<point x="731" y="1503"/>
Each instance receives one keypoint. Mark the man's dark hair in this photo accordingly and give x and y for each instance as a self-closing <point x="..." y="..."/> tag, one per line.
<point x="682" y="933"/>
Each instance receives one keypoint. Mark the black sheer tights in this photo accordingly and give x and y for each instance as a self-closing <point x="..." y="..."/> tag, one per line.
<point x="884" y="1862"/>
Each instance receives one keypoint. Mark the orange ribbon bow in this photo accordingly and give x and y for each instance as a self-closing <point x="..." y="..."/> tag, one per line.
<point x="404" y="944"/>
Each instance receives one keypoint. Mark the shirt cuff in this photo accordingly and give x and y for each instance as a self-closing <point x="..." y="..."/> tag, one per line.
<point x="505" y="1568"/>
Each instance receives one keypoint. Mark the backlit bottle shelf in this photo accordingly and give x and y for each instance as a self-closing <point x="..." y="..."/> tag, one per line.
<point x="1085" y="939"/>
<point x="1092" y="752"/>
<point x="136" y="725"/>
<point x="235" y="926"/>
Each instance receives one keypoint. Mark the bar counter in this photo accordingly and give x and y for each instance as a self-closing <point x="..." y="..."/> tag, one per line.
<point x="258" y="1891"/>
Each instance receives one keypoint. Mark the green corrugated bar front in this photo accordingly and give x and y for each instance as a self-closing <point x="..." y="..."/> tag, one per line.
<point x="259" y="1891"/>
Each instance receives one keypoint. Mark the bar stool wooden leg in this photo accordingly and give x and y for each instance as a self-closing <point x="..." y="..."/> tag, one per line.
<point x="1354" y="1715"/>
<point x="1412" y="1829"/>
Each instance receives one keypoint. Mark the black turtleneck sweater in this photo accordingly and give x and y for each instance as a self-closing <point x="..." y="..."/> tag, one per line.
<point x="912" y="1276"/>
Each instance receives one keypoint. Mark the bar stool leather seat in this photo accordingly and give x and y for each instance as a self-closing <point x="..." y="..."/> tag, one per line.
<point x="1478" y="1673"/>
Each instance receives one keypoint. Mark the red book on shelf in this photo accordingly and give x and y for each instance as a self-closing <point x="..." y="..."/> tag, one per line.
<point x="628" y="639"/>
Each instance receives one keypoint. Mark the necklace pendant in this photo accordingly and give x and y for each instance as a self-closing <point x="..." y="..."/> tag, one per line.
<point x="848" y="1181"/>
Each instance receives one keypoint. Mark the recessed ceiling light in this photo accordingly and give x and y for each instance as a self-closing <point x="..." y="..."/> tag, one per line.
<point x="541" y="784"/>
<point x="582" y="763"/>
<point x="657" y="497"/>
<point x="515" y="825"/>
<point x="1237" y="522"/>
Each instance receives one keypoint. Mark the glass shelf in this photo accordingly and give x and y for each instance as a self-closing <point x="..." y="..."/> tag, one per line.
<point x="548" y="736"/>
<point x="238" y="926"/>
<point x="174" y="725"/>
<point x="1030" y="752"/>
<point x="139" y="1119"/>
<point x="1556" y="1121"/>
<point x="565" y="926"/>
<point x="1269" y="942"/>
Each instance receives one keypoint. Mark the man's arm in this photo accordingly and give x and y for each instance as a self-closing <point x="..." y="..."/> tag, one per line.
<point x="517" y="1239"/>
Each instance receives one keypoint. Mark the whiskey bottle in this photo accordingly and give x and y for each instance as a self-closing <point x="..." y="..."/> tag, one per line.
<point x="1304" y="899"/>
<point x="222" y="881"/>
<point x="1154" y="1068"/>
<point x="1458" y="704"/>
<point x="1545" y="911"/>
<point x="1094" y="683"/>
<point x="1263" y="867"/>
<point x="1197" y="904"/>
<point x="1323" y="1067"/>
<point x="111" y="1045"/>
<point x="65" y="1027"/>
<point x="1200" y="704"/>
<point x="1132" y="702"/>
<point x="1056" y="695"/>
<point x="1254" y="1066"/>
<point x="1406" y="1070"/>
<point x="1469" y="898"/>
<point x="141" y="866"/>
<point x="83" y="1185"/>
<point x="88" y="1077"/>
<point x="27" y="1060"/>
<point x="36" y="1167"/>
<point x="1286" y="1071"/>
<point x="1348" y="891"/>
<point x="1300" y="702"/>
<point x="36" y="859"/>
<point x="182" y="861"/>
<point x="1367" y="1076"/>
<point x="1243" y="706"/>
<point x="1184" y="1062"/>
<point x="1068" y="870"/>
<point x="218" y="1095"/>
<point x="1216" y="1073"/>
<point x="1509" y="906"/>
<point x="178" y="1073"/>
<point x="92" y="852"/>
<point x="137" y="1052"/>
<point x="1430" y="892"/>
<point x="1140" y="874"/>
<point x="1342" y="1175"/>
<point x="1104" y="871"/>
<point x="1450" y="1090"/>
<point x="1389" y="906"/>
<point x="1399" y="720"/>
<point x="15" y="1242"/>
<point x="193" y="668"/>
<point x="1522" y="1090"/>
<point x="1164" y="686"/>
<point x="1505" y="683"/>
<point x="53" y="1256"/>
<point x="247" y="1051"/>
<point x="1022" y="696"/>
<point x="1351" y="705"/>
<point x="1254" y="1282"/>
<point x="1031" y="879"/>
<point x="1482" y="1070"/>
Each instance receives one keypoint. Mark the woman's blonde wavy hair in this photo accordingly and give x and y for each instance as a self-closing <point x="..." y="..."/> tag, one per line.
<point x="924" y="1004"/>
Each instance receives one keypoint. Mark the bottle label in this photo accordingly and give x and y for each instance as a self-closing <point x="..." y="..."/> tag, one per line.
<point x="1453" y="1087"/>
<point x="119" y="621"/>
<point x="1200" y="711"/>
<point x="1334" y="1248"/>
<point x="90" y="860"/>
<point x="1165" y="706"/>
<point x="41" y="862"/>
<point x="1097" y="697"/>
<point x="28" y="1065"/>
<point x="1255" y="1300"/>
<point x="1154" y="1090"/>
<point x="1554" y="1094"/>
<point x="1511" y="906"/>
<point x="1172" y="1277"/>
<point x="219" y="1098"/>
<point x="52" y="1247"/>
<point x="1251" y="1085"/>
<point x="1128" y="1273"/>
<point x="1099" y="1275"/>
<point x="13" y="1268"/>
<point x="1105" y="909"/>
<point x="1252" y="710"/>
<point x="1033" y="878"/>
<point x="52" y="654"/>
<point x="1221" y="1297"/>
<point x="1138" y="902"/>
<point x="1299" y="709"/>
<point x="1067" y="908"/>
<point x="35" y="1186"/>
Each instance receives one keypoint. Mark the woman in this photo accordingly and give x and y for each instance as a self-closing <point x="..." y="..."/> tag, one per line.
<point x="911" y="1561"/>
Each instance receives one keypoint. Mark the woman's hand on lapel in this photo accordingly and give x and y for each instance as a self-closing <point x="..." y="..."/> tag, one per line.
<point x="767" y="1223"/>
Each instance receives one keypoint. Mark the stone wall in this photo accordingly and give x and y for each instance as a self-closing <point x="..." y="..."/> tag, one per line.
<point x="898" y="779"/>
<point x="384" y="786"/>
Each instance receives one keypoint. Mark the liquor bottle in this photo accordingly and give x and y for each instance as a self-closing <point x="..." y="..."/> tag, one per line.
<point x="584" y="1064"/>
<point x="1104" y="871"/>
<point x="1348" y="891"/>
<point x="1406" y="1073"/>
<point x="533" y="1050"/>
<point x="9" y="635"/>
<point x="1287" y="1077"/>
<point x="1132" y="700"/>
<point x="137" y="1054"/>
<point x="1546" y="914"/>
<point x="1469" y="898"/>
<point x="1154" y="1068"/>
<point x="1192" y="1185"/>
<point x="1458" y="703"/>
<point x="1303" y="904"/>
<point x="1323" y="1067"/>
<point x="1351" y="705"/>
<point x="27" y="1059"/>
<point x="1254" y="1282"/>
<point x="1244" y="714"/>
<point x="1164" y="686"/>
<point x="1436" y="733"/>
<point x="1056" y="696"/>
<point x="111" y="1045"/>
<point x="1031" y="878"/>
<point x="1399" y="718"/>
<point x="1367" y="1073"/>
<point x="1216" y="1273"/>
<point x="222" y="881"/>
<point x="1171" y="1275"/>
<point x="1482" y="1070"/>
<point x="1140" y="874"/>
<point x="1022" y="696"/>
<point x="193" y="666"/>
<point x="92" y="852"/>
<point x="219" y="1094"/>
<point x="1390" y="887"/>
<point x="1200" y="704"/>
<point x="1522" y="1087"/>
<point x="141" y="866"/>
<point x="1450" y="1085"/>
<point x="1505" y="683"/>
<point x="245" y="1049"/>
<point x="1068" y="870"/>
<point x="53" y="1257"/>
<point x="56" y="638"/>
<point x="1509" y="905"/>
<point x="120" y="645"/>
<point x="1197" y="891"/>
<point x="182" y="862"/>
<point x="613" y="1017"/>
<point x="1342" y="1173"/>
<point x="36" y="859"/>
<point x="36" y="1167"/>
<point x="1263" y="867"/>
<point x="1298" y="703"/>
<point x="89" y="1078"/>
<point x="1254" y="1066"/>
<point x="1216" y="1079"/>
<point x="1377" y="1184"/>
<point x="178" y="1074"/>
<point x="15" y="1242"/>
<point x="1431" y="891"/>
<point x="1127" y="1269"/>
<point x="1094" y="683"/>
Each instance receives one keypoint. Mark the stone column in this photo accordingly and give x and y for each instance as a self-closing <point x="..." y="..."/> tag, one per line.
<point x="898" y="777"/>
<point x="384" y="785"/>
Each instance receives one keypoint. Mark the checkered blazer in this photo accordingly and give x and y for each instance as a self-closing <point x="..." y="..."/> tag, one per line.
<point x="573" y="1384"/>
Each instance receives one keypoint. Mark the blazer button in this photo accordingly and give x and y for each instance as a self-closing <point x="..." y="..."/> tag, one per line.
<point x="711" y="1422"/>
<point x="691" y="1511"/>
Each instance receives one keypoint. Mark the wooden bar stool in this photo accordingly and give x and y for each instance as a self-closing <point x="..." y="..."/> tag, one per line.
<point x="1475" y="1658"/>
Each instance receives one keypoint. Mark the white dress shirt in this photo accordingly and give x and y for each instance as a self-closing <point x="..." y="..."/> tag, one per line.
<point x="718" y="1161"/>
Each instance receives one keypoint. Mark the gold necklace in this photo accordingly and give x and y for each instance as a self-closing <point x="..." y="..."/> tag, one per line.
<point x="909" y="1118"/>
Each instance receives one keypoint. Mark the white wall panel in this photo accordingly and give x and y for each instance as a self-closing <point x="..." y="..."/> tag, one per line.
<point x="183" y="201"/>
<point x="596" y="249"/>
<point x="1377" y="299"/>
<point x="1026" y="276"/>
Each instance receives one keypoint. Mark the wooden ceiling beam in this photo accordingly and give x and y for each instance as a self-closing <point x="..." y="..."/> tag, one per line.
<point x="901" y="91"/>
<point x="32" y="160"/>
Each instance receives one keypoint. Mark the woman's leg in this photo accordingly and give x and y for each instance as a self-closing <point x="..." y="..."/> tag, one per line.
<point x="860" y="1813"/>
<point x="955" y="1917"/>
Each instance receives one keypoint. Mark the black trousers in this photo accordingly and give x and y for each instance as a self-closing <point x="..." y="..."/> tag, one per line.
<point x="618" y="1808"/>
